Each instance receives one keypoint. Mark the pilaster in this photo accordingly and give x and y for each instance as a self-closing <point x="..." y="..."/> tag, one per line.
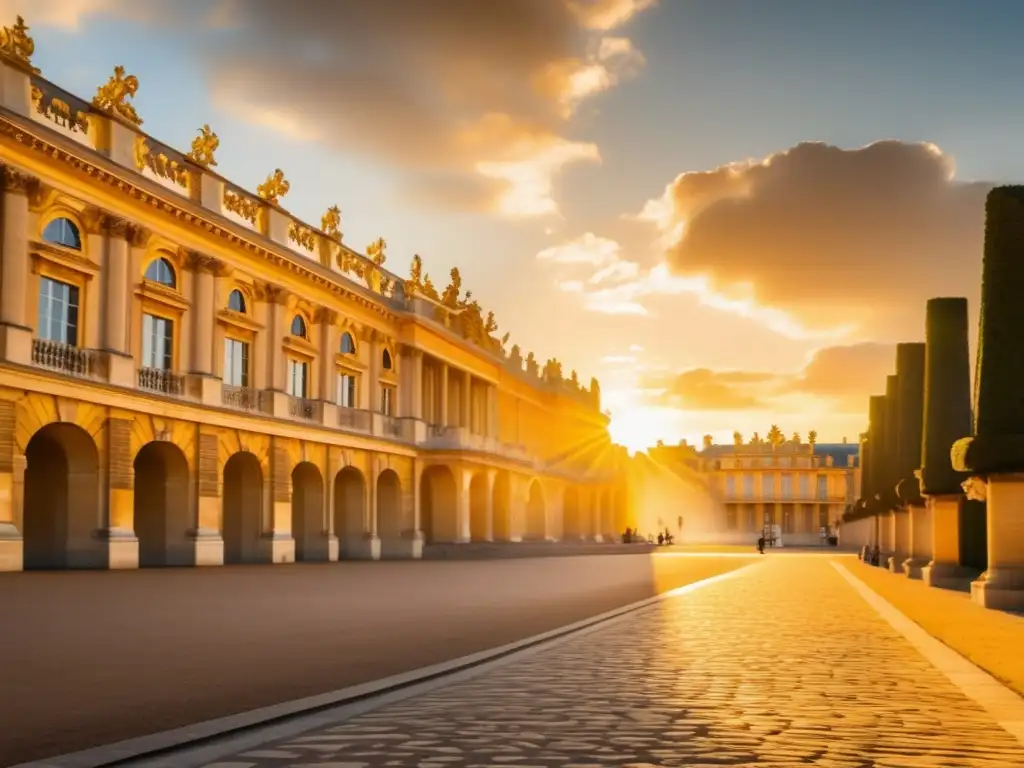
<point x="15" y="326"/>
<point x="207" y="541"/>
<point x="327" y="320"/>
<point x="11" y="544"/>
<point x="466" y="401"/>
<point x="443" y="420"/>
<point x="122" y="547"/>
<point x="277" y="542"/>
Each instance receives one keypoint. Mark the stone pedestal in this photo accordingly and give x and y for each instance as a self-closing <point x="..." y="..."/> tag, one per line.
<point x="278" y="548"/>
<point x="121" y="548"/>
<point x="277" y="404"/>
<point x="944" y="570"/>
<point x="920" y="536"/>
<point x="408" y="547"/>
<point x="16" y="344"/>
<point x="900" y="540"/>
<point x="204" y="388"/>
<point x="333" y="548"/>
<point x="11" y="548"/>
<point x="366" y="547"/>
<point x="886" y="535"/>
<point x="208" y="548"/>
<point x="120" y="369"/>
<point x="1002" y="585"/>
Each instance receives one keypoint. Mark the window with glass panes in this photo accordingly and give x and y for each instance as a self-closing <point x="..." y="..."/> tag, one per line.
<point x="387" y="397"/>
<point x="297" y="378"/>
<point x="157" y="342"/>
<point x="58" y="312"/>
<point x="236" y="363"/>
<point x="346" y="390"/>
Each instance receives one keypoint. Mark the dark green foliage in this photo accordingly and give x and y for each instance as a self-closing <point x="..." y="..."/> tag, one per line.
<point x="889" y="475"/>
<point x="865" y="463"/>
<point x="877" y="412"/>
<point x="947" y="393"/>
<point x="910" y="372"/>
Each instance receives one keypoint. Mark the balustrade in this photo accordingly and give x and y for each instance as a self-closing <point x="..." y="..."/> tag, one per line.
<point x="65" y="358"/>
<point x="161" y="380"/>
<point x="244" y="398"/>
<point x="302" y="408"/>
<point x="354" y="419"/>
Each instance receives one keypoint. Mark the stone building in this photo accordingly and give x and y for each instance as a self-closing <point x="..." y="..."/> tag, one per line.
<point x="189" y="374"/>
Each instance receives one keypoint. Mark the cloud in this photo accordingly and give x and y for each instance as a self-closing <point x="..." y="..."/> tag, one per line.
<point x="842" y="375"/>
<point x="450" y="92"/>
<point x="823" y="233"/>
<point x="69" y="15"/>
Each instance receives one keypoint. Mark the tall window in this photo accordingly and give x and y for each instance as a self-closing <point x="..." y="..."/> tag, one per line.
<point x="787" y="485"/>
<point x="58" y="312"/>
<point x="236" y="363"/>
<point x="298" y="328"/>
<point x="346" y="390"/>
<point x="348" y="344"/>
<point x="748" y="485"/>
<point x="805" y="485"/>
<point x="63" y="232"/>
<point x="161" y="271"/>
<point x="385" y="360"/>
<point x="297" y="378"/>
<point x="157" y="342"/>
<point x="387" y="397"/>
<point x="236" y="301"/>
<point x="730" y="485"/>
<point x="768" y="485"/>
<point x="822" y="486"/>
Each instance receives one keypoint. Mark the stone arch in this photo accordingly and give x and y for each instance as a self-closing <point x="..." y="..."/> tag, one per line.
<point x="574" y="527"/>
<point x="439" y="504"/>
<point x="161" y="505"/>
<point x="308" y="512"/>
<point x="501" y="506"/>
<point x="389" y="505"/>
<point x="480" y="520"/>
<point x="62" y="499"/>
<point x="243" y="509"/>
<point x="536" y="514"/>
<point x="349" y="508"/>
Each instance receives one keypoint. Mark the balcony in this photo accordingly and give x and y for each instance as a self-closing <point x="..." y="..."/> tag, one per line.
<point x="66" y="359"/>
<point x="354" y="419"/>
<point x="304" y="408"/>
<point x="242" y="398"/>
<point x="161" y="380"/>
<point x="390" y="426"/>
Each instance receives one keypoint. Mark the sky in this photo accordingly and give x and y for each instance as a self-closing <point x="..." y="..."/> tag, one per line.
<point x="727" y="211"/>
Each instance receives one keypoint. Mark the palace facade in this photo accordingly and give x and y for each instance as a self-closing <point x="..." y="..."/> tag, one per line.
<point x="800" y="487"/>
<point x="189" y="374"/>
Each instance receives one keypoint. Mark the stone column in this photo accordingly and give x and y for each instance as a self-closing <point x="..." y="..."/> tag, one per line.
<point x="994" y="456"/>
<point x="115" y="294"/>
<point x="947" y="417"/>
<point x="466" y="402"/>
<point x="11" y="545"/>
<point x="327" y="320"/>
<point x="207" y="541"/>
<point x="415" y="362"/>
<point x="122" y="546"/>
<point x="372" y="338"/>
<point x="333" y="467"/>
<point x="492" y="411"/>
<point x="16" y="328"/>
<point x="278" y="327"/>
<point x="203" y="313"/>
<point x="277" y="544"/>
<point x="444" y="395"/>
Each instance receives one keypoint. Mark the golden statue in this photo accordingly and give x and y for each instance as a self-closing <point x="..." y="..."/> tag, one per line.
<point x="737" y="438"/>
<point x="775" y="436"/>
<point x="812" y="436"/>
<point x="429" y="290"/>
<point x="15" y="44"/>
<point x="416" y="271"/>
<point x="276" y="186"/>
<point x="376" y="251"/>
<point x="112" y="97"/>
<point x="330" y="222"/>
<point x="203" y="147"/>
<point x="490" y="324"/>
<point x="450" y="298"/>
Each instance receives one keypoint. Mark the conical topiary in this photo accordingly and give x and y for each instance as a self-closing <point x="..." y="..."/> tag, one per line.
<point x="876" y="452"/>
<point x="910" y="375"/>
<point x="889" y="477"/>
<point x="998" y="442"/>
<point x="865" y="462"/>
<point x="947" y="393"/>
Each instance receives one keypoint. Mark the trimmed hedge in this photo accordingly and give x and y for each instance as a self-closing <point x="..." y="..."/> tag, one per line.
<point x="947" y="393"/>
<point x="876" y="441"/>
<point x="998" y="443"/>
<point x="890" y="476"/>
<point x="910" y="372"/>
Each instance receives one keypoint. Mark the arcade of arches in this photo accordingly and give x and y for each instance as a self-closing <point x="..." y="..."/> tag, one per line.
<point x="97" y="492"/>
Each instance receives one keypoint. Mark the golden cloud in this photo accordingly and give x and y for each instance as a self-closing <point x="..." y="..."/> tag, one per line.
<point x="467" y="98"/>
<point x="843" y="375"/>
<point x="824" y="233"/>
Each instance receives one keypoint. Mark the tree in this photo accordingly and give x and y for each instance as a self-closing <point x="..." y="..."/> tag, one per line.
<point x="812" y="437"/>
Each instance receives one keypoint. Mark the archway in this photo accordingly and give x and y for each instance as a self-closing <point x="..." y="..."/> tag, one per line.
<point x="439" y="504"/>
<point x="162" y="516"/>
<point x="243" y="509"/>
<point x="501" y="507"/>
<point x="536" y="527"/>
<point x="62" y="464"/>
<point x="480" y="525"/>
<point x="349" y="508"/>
<point x="308" y="512"/>
<point x="573" y="528"/>
<point x="389" y="505"/>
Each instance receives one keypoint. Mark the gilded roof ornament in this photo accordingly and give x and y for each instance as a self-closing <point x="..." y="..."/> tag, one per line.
<point x="275" y="187"/>
<point x="330" y="223"/>
<point x="112" y="97"/>
<point x="377" y="251"/>
<point x="203" y="147"/>
<point x="17" y="46"/>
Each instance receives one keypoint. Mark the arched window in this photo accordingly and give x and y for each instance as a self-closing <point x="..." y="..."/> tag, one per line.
<point x="386" y="360"/>
<point x="236" y="301"/>
<point x="161" y="271"/>
<point x="63" y="232"/>
<point x="298" y="327"/>
<point x="348" y="344"/>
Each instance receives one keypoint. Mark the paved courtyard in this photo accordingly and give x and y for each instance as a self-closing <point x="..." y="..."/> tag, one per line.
<point x="783" y="664"/>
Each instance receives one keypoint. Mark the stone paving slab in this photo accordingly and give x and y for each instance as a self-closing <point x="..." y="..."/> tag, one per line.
<point x="783" y="664"/>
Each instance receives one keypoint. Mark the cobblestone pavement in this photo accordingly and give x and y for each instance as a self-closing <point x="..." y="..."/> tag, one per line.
<point x="783" y="665"/>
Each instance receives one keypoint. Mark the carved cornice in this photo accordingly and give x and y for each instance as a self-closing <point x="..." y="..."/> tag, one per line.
<point x="368" y="333"/>
<point x="270" y="293"/>
<point x="200" y="262"/>
<point x="18" y="182"/>
<point x="115" y="226"/>
<point x="408" y="350"/>
<point x="92" y="171"/>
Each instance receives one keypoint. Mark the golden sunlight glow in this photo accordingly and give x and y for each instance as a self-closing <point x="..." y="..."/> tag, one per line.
<point x="639" y="428"/>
